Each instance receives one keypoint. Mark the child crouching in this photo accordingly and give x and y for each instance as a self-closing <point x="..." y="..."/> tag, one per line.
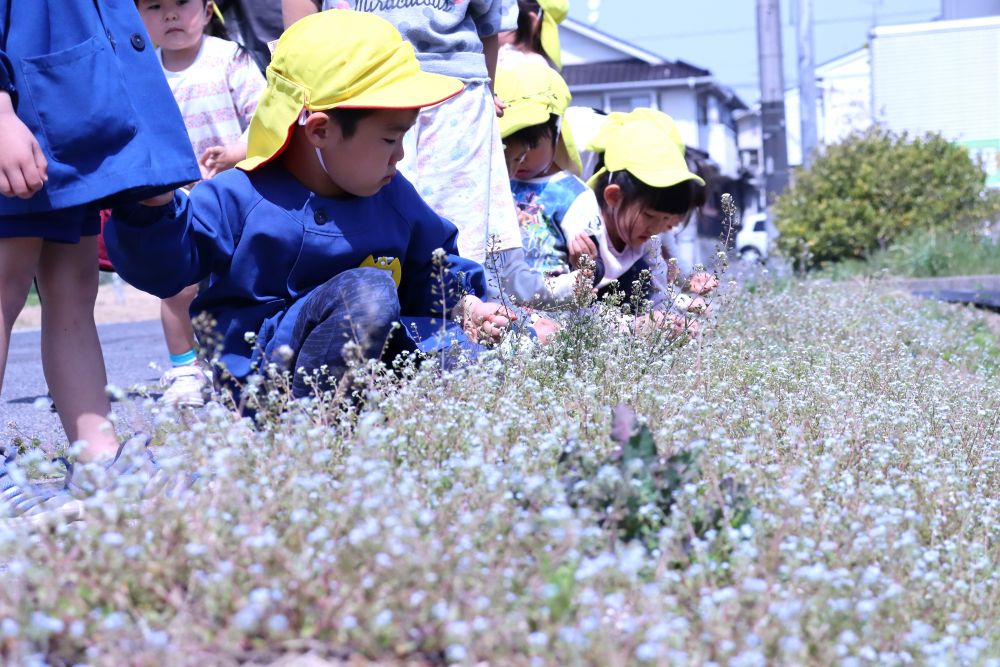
<point x="559" y="217"/>
<point x="644" y="188"/>
<point x="315" y="240"/>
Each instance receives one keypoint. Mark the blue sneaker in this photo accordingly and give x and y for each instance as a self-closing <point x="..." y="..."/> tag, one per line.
<point x="135" y="466"/>
<point x="22" y="502"/>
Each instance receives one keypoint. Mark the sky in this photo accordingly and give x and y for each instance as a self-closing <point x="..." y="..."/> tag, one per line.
<point x="721" y="35"/>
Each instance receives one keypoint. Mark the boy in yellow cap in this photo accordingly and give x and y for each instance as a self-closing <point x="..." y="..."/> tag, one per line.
<point x="559" y="216"/>
<point x="315" y="240"/>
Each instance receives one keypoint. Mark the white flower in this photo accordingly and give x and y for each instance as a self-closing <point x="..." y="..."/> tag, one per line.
<point x="46" y="624"/>
<point x="9" y="628"/>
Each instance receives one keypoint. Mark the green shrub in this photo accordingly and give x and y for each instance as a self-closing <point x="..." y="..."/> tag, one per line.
<point x="874" y="187"/>
<point x="927" y="253"/>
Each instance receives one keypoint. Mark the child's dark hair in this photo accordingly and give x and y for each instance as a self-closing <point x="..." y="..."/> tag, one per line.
<point x="348" y="119"/>
<point x="678" y="199"/>
<point x="216" y="27"/>
<point x="526" y="37"/>
<point x="532" y="135"/>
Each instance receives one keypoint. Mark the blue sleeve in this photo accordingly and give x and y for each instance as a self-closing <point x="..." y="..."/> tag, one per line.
<point x="508" y="12"/>
<point x="6" y="66"/>
<point x="487" y="15"/>
<point x="163" y="249"/>
<point x="430" y="286"/>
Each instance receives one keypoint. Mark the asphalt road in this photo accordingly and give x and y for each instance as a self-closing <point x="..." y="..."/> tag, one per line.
<point x="128" y="350"/>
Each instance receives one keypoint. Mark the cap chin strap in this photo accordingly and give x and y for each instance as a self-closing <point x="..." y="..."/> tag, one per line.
<point x="303" y="117"/>
<point x="319" y="156"/>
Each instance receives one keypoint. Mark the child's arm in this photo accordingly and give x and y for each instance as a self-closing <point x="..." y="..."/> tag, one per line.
<point x="581" y="225"/>
<point x="172" y="240"/>
<point x="23" y="167"/>
<point x="216" y="159"/>
<point x="491" y="49"/>
<point x="246" y="85"/>
<point x="293" y="10"/>
<point x="488" y="17"/>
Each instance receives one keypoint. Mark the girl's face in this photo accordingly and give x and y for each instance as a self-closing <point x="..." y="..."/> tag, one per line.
<point x="524" y="163"/>
<point x="631" y="224"/>
<point x="175" y="25"/>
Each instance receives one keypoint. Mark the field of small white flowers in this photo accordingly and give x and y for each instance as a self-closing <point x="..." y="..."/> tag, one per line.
<point x="824" y="489"/>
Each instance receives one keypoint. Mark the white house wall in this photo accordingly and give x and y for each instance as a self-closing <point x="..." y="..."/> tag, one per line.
<point x="846" y="94"/>
<point x="942" y="77"/>
<point x="681" y="104"/>
<point x="843" y="103"/>
<point x="939" y="80"/>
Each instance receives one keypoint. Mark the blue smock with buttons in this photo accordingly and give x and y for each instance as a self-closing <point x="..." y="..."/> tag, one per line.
<point x="264" y="242"/>
<point x="84" y="78"/>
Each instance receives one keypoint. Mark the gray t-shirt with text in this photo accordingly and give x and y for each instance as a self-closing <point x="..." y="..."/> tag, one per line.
<point x="446" y="34"/>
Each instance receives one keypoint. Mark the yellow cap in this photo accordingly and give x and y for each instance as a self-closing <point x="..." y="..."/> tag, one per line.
<point x="554" y="12"/>
<point x="532" y="92"/>
<point x="338" y="59"/>
<point x="647" y="144"/>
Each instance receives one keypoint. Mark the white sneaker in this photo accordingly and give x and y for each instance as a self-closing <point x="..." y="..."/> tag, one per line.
<point x="186" y="386"/>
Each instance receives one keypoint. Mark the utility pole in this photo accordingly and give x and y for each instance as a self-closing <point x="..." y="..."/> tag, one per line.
<point x="772" y="97"/>
<point x="807" y="79"/>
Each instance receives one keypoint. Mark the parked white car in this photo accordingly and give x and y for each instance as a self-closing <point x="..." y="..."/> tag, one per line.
<point x="753" y="240"/>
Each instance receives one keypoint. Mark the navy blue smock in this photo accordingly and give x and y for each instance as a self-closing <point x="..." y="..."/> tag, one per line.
<point x="85" y="79"/>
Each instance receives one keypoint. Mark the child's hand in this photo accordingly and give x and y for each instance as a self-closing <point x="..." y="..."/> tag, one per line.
<point x="702" y="283"/>
<point x="674" y="322"/>
<point x="498" y="106"/>
<point x="581" y="244"/>
<point x="484" y="320"/>
<point x="545" y="329"/>
<point x="23" y="167"/>
<point x="220" y="158"/>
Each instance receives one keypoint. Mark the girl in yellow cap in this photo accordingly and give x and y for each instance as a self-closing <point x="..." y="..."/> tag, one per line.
<point x="644" y="188"/>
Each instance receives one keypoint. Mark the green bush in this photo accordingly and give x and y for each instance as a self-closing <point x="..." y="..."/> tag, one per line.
<point x="874" y="187"/>
<point x="927" y="253"/>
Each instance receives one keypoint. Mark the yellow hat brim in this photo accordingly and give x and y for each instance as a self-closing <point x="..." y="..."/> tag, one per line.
<point x="281" y="105"/>
<point x="524" y="114"/>
<point x="338" y="59"/>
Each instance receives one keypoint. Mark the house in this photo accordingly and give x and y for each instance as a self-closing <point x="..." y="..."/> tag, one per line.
<point x="843" y="106"/>
<point x="942" y="76"/>
<point x="938" y="76"/>
<point x="609" y="74"/>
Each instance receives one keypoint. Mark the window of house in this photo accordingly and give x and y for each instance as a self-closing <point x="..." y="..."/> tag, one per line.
<point x="628" y="101"/>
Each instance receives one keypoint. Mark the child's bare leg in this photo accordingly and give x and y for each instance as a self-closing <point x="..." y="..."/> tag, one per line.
<point x="186" y="381"/>
<point x="175" y="315"/>
<point x="71" y="351"/>
<point x="18" y="262"/>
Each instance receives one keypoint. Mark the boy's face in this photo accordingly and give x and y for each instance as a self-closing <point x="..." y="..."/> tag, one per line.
<point x="175" y="25"/>
<point x="365" y="162"/>
<point x="524" y="162"/>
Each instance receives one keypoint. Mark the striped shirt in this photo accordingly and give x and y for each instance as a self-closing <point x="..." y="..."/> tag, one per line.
<point x="217" y="94"/>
